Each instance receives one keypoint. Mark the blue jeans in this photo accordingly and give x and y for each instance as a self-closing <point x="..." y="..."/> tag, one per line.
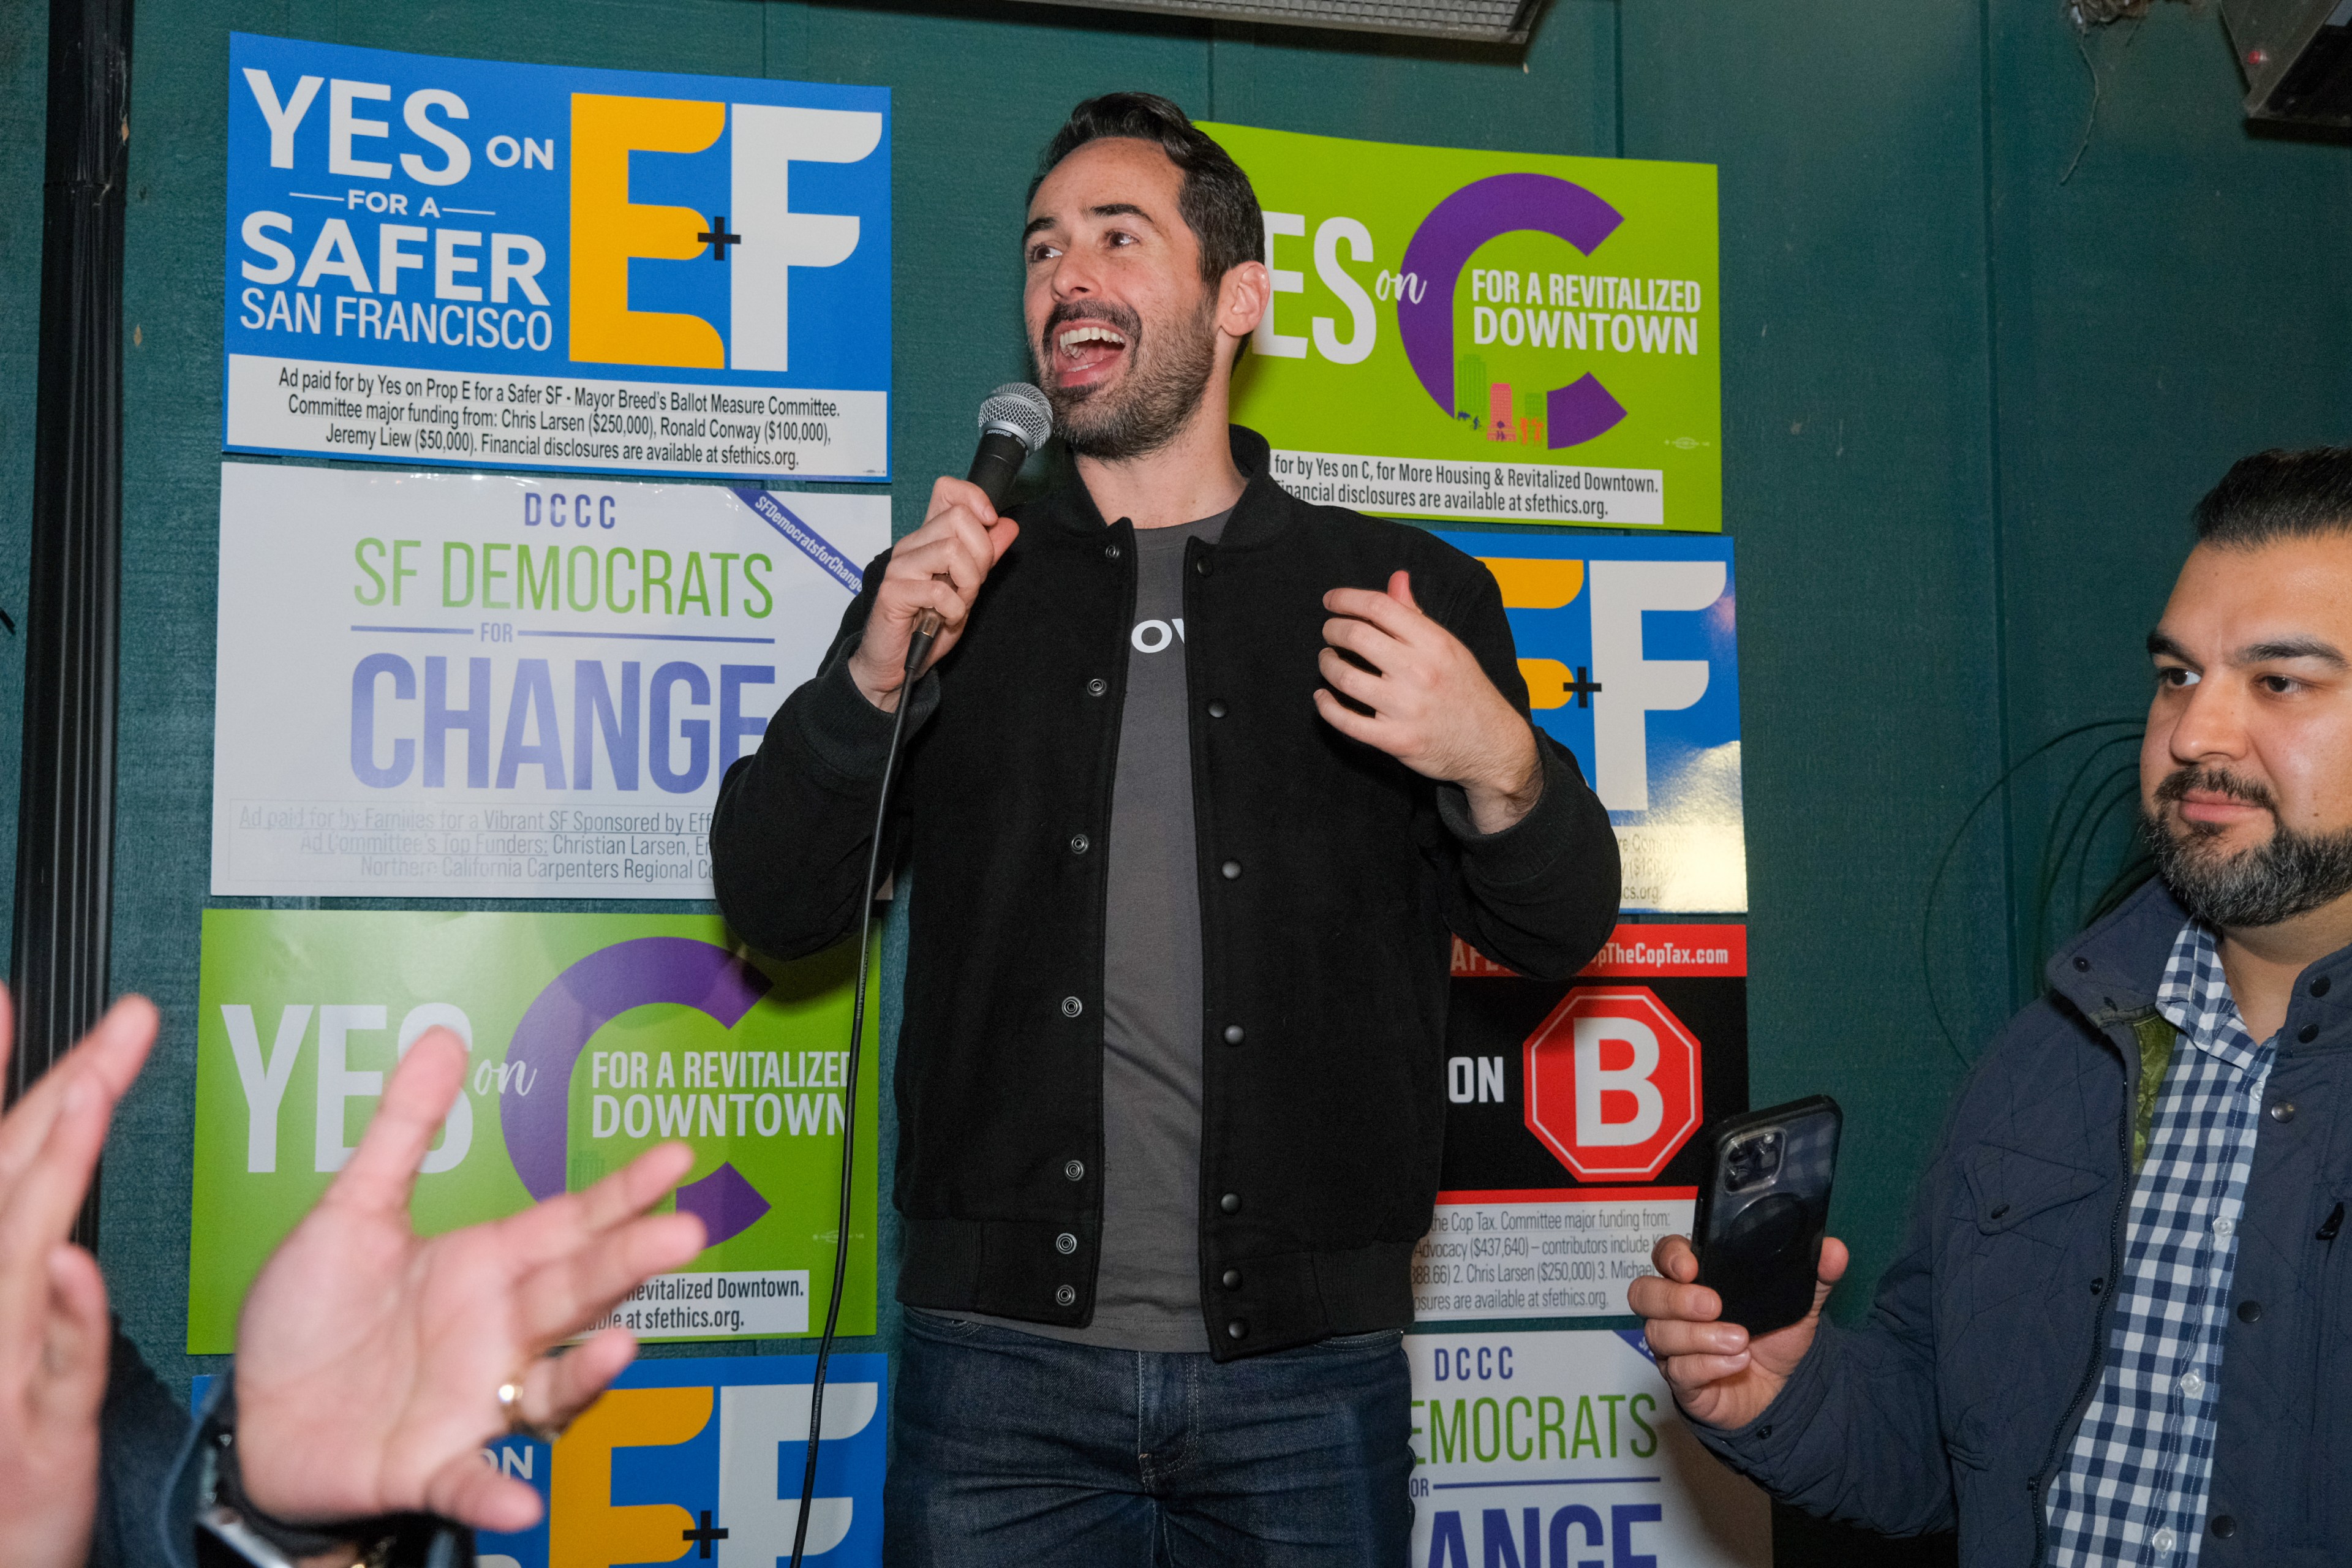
<point x="1013" y="1451"/>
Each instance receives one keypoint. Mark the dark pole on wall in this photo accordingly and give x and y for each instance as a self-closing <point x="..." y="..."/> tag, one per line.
<point x="65" y="819"/>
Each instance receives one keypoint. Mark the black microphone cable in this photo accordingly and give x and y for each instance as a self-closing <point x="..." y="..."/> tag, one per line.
<point x="1014" y="420"/>
<point x="918" y="648"/>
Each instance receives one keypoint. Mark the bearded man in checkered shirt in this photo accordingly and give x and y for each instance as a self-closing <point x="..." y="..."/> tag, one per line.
<point x="2120" y="1328"/>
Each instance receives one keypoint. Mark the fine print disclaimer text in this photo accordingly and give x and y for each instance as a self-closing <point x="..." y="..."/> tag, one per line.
<point x="1542" y="1258"/>
<point x="569" y="422"/>
<point x="744" y="1304"/>
<point x="543" y="851"/>
<point x="1505" y="492"/>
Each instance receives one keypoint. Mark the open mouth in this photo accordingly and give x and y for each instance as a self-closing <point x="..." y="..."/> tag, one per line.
<point x="1085" y="351"/>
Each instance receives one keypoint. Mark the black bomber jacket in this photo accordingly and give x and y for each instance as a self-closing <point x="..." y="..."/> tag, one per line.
<point x="1330" y="876"/>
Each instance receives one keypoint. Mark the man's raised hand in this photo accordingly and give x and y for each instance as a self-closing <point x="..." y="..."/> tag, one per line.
<point x="939" y="568"/>
<point x="369" y="1358"/>
<point x="54" y="1332"/>
<point x="1719" y="1375"/>
<point x="1432" y="707"/>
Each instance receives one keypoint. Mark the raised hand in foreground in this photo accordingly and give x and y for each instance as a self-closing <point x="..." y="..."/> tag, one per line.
<point x="1719" y="1375"/>
<point x="54" y="1332"/>
<point x="370" y="1359"/>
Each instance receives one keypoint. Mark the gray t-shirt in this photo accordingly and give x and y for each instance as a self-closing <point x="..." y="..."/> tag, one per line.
<point x="1147" y="1288"/>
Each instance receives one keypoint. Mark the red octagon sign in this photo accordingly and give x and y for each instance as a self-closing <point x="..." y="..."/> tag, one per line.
<point x="1613" y="1083"/>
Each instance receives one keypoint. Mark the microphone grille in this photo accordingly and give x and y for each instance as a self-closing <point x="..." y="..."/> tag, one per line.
<point x="1021" y="411"/>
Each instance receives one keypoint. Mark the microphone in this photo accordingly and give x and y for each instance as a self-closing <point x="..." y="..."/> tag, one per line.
<point x="1015" y="421"/>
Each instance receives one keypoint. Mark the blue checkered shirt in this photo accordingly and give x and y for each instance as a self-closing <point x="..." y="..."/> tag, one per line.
<point x="2133" y="1486"/>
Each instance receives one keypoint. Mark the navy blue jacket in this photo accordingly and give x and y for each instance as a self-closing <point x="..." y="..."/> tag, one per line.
<point x="146" y="1469"/>
<point x="1956" y="1400"/>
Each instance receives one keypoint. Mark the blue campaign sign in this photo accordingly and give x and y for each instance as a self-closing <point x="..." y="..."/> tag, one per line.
<point x="441" y="260"/>
<point x="1630" y="651"/>
<point x="700" y="1459"/>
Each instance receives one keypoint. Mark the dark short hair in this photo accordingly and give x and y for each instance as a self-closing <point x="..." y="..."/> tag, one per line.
<point x="1217" y="201"/>
<point x="2278" y="495"/>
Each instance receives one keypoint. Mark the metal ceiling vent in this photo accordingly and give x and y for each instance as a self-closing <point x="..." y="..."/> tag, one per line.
<point x="1480" y="21"/>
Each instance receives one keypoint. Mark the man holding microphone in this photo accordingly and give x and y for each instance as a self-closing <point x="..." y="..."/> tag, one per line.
<point x="1200" y="779"/>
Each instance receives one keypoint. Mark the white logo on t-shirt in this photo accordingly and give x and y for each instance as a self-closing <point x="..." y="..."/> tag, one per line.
<point x="1151" y="637"/>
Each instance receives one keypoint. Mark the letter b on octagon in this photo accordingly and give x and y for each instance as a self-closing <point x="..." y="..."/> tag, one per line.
<point x="1613" y="1083"/>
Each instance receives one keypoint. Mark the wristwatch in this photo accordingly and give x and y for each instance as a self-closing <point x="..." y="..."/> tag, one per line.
<point x="226" y="1514"/>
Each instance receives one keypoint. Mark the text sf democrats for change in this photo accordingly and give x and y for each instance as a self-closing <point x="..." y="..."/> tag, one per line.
<point x="500" y="686"/>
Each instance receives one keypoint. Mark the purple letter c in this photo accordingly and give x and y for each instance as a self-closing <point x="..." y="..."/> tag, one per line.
<point x="1443" y="246"/>
<point x="581" y="1000"/>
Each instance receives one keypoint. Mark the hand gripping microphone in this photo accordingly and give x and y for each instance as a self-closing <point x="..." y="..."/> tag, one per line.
<point x="1015" y="421"/>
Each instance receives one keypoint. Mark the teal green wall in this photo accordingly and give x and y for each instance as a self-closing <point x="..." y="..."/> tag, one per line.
<point x="1968" y="403"/>
<point x="23" y="109"/>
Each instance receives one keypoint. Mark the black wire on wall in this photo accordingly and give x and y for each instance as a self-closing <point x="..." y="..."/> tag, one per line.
<point x="65" y="822"/>
<point x="2077" y="842"/>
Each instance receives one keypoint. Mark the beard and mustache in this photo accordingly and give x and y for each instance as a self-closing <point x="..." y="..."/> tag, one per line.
<point x="2288" y="875"/>
<point x="1151" y="403"/>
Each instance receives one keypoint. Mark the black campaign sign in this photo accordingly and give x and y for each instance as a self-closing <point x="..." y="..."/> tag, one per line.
<point x="1599" y="1081"/>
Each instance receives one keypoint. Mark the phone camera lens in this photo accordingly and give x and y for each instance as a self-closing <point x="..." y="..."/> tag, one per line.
<point x="1753" y="1161"/>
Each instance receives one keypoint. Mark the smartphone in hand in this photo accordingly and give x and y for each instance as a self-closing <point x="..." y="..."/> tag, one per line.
<point x="1764" y="1208"/>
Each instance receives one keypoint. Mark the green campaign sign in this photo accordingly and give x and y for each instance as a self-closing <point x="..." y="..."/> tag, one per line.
<point x="594" y="1038"/>
<point x="1503" y="336"/>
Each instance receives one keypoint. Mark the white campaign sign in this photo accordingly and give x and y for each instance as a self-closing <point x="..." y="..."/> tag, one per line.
<point x="488" y="686"/>
<point x="1564" y="1449"/>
